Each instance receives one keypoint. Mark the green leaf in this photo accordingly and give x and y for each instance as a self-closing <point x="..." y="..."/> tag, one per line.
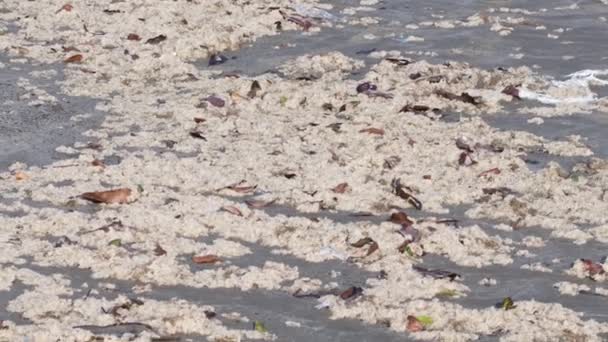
<point x="259" y="327"/>
<point x="507" y="303"/>
<point x="115" y="242"/>
<point x="409" y="251"/>
<point x="447" y="293"/>
<point x="425" y="320"/>
<point x="283" y="101"/>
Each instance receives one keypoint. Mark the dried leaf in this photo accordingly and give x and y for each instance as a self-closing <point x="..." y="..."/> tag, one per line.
<point x="21" y="176"/>
<point x="73" y="59"/>
<point x="133" y="36"/>
<point x="66" y="7"/>
<point x="206" y="259"/>
<point x="253" y="90"/>
<point x="409" y="232"/>
<point x="592" y="267"/>
<point x="340" y="188"/>
<point x="242" y="189"/>
<point x="362" y="242"/>
<point x="436" y="274"/>
<point x="463" y="97"/>
<point x="233" y="210"/>
<point x="401" y="218"/>
<point x="413" y="324"/>
<point x="215" y="101"/>
<point x="156" y="40"/>
<point x="366" y="86"/>
<point x="462" y="144"/>
<point x="513" y="91"/>
<point x="198" y="135"/>
<point x="372" y="130"/>
<point x="400" y="61"/>
<point x="97" y="162"/>
<point x="399" y="191"/>
<point x="159" y="251"/>
<point x="494" y="171"/>
<point x="257" y="204"/>
<point x="351" y="293"/>
<point x="465" y="159"/>
<point x="199" y="120"/>
<point x="301" y="21"/>
<point x="110" y="196"/>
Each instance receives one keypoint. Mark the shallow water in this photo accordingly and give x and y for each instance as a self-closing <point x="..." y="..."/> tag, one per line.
<point x="33" y="136"/>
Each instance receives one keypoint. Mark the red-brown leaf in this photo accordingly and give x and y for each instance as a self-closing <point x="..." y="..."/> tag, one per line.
<point x="494" y="171"/>
<point x="401" y="218"/>
<point x="74" y="59"/>
<point x="110" y="196"/>
<point x="206" y="259"/>
<point x="340" y="188"/>
<point x="372" y="130"/>
<point x="66" y="7"/>
<point x="413" y="324"/>
<point x="133" y="36"/>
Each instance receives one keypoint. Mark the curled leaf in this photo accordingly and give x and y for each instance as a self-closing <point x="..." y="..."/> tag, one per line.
<point x="464" y="145"/>
<point x="198" y="135"/>
<point x="73" y="59"/>
<point x="398" y="190"/>
<point x="115" y="242"/>
<point x="413" y="324"/>
<point x="257" y="204"/>
<point x="233" y="210"/>
<point x="493" y="171"/>
<point x="206" y="259"/>
<point x="253" y="90"/>
<point x="110" y="196"/>
<point x="242" y="188"/>
<point x="340" y="188"/>
<point x="507" y="304"/>
<point x="362" y="242"/>
<point x="366" y="86"/>
<point x="156" y="40"/>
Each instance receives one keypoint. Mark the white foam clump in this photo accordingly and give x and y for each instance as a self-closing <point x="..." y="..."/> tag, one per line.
<point x="582" y="79"/>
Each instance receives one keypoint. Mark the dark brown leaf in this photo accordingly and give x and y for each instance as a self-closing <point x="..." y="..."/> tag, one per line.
<point x="74" y="59"/>
<point x="400" y="61"/>
<point x="253" y="90"/>
<point x="156" y="40"/>
<point x="133" y="36"/>
<point x="465" y="159"/>
<point x="110" y="196"/>
<point x="366" y="86"/>
<point x="351" y="293"/>
<point x="198" y="135"/>
<point x="463" y="97"/>
<point x="206" y="259"/>
<point x="159" y="251"/>
<point x="399" y="191"/>
<point x="362" y="242"/>
<point x="340" y="188"/>
<point x="401" y="218"/>
<point x="199" y="120"/>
